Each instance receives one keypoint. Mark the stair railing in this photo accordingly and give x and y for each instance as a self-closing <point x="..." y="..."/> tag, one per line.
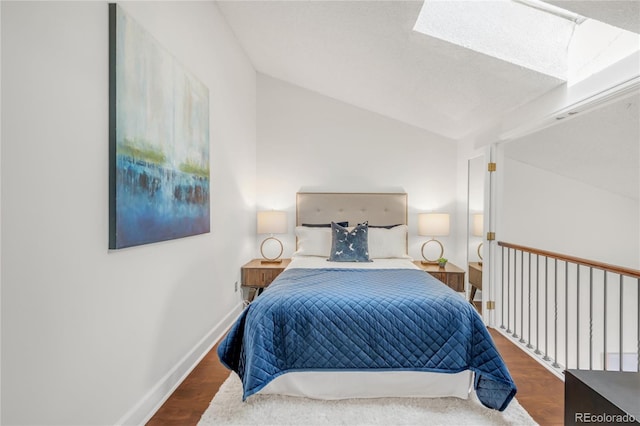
<point x="571" y="312"/>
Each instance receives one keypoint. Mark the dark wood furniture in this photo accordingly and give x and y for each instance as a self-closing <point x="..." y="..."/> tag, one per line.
<point x="475" y="279"/>
<point x="601" y="397"/>
<point x="451" y="275"/>
<point x="256" y="276"/>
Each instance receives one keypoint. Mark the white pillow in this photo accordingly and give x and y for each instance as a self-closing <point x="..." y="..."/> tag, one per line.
<point x="388" y="243"/>
<point x="313" y="241"/>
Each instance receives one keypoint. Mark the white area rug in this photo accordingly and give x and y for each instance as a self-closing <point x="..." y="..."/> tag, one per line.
<point x="227" y="408"/>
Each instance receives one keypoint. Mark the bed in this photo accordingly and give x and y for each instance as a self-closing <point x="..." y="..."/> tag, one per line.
<point x="352" y="317"/>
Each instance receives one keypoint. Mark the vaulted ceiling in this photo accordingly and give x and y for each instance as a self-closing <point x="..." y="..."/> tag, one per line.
<point x="600" y="148"/>
<point x="366" y="53"/>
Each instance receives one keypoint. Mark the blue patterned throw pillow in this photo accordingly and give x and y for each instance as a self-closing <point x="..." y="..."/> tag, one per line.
<point x="349" y="246"/>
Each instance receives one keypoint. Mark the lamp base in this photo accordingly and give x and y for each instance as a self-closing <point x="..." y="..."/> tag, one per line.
<point x="428" y="261"/>
<point x="266" y="259"/>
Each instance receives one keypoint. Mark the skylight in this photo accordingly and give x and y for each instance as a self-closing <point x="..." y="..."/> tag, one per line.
<point x="529" y="33"/>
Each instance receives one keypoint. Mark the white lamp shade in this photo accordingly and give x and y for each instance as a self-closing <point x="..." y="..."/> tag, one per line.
<point x="272" y="222"/>
<point x="433" y="224"/>
<point x="477" y="225"/>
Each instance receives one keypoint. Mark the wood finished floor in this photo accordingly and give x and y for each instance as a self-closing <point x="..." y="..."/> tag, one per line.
<point x="539" y="391"/>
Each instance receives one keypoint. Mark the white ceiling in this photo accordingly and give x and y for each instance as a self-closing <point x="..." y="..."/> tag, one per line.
<point x="600" y="148"/>
<point x="365" y="53"/>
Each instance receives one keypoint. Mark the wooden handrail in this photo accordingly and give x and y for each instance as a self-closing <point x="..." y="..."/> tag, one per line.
<point x="580" y="261"/>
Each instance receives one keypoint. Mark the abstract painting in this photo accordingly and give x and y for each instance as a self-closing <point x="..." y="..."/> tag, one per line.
<point x="158" y="140"/>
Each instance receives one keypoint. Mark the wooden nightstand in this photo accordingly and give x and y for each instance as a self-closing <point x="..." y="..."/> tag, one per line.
<point x="451" y="275"/>
<point x="256" y="275"/>
<point x="475" y="278"/>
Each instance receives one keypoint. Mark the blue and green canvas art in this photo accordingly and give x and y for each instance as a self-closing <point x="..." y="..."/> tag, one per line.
<point x="159" y="141"/>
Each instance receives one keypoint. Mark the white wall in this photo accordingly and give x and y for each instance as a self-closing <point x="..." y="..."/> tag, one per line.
<point x="91" y="336"/>
<point x="309" y="142"/>
<point x="547" y="211"/>
<point x="544" y="210"/>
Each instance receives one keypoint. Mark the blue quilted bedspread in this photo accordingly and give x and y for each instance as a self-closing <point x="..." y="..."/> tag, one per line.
<point x="360" y="319"/>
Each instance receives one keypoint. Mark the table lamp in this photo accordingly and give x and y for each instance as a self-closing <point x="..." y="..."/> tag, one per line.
<point x="271" y="222"/>
<point x="433" y="225"/>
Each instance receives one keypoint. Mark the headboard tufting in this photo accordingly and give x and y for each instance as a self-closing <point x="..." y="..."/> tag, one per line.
<point x="380" y="209"/>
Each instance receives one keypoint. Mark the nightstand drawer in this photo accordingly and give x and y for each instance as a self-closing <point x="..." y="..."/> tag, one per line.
<point x="451" y="275"/>
<point x="475" y="275"/>
<point x="258" y="277"/>
<point x="440" y="276"/>
<point x="455" y="281"/>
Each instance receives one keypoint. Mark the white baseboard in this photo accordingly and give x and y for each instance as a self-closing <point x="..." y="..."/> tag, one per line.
<point x="142" y="412"/>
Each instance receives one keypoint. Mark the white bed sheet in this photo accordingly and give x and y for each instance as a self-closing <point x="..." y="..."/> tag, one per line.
<point x="365" y="384"/>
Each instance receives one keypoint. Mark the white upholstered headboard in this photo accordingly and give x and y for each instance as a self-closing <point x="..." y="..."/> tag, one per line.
<point x="380" y="209"/>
